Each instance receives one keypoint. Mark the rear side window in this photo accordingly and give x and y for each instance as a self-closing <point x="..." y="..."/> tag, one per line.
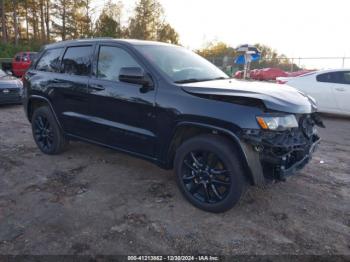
<point x="50" y="61"/>
<point x="25" y="57"/>
<point x="32" y="56"/>
<point x="110" y="60"/>
<point x="341" y="77"/>
<point x="77" y="60"/>
<point x="345" y="78"/>
<point x="18" y="58"/>
<point x="332" y="77"/>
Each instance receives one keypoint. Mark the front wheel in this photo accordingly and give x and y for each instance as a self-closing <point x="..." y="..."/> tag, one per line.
<point x="209" y="173"/>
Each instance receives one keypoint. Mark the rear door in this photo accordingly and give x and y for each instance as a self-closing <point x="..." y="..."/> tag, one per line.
<point x="70" y="92"/>
<point x="341" y="91"/>
<point x="121" y="114"/>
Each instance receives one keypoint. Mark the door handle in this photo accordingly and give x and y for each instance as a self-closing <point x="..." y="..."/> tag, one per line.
<point x="97" y="87"/>
<point x="340" y="89"/>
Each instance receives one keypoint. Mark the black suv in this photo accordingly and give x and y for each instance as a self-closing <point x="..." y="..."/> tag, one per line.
<point x="170" y="106"/>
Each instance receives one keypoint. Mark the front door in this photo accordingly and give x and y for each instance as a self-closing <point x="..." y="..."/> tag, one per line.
<point x="121" y="114"/>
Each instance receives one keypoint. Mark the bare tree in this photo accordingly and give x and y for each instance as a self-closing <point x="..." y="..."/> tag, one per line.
<point x="3" y="23"/>
<point x="47" y="19"/>
<point x="15" y="17"/>
<point x="27" y="24"/>
<point x="42" y="21"/>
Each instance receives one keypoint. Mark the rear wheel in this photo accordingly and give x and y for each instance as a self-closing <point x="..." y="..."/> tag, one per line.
<point x="209" y="173"/>
<point x="46" y="132"/>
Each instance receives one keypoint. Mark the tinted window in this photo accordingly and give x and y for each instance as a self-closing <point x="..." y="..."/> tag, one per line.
<point x="18" y="58"/>
<point x="110" y="60"/>
<point x="332" y="77"/>
<point x="180" y="64"/>
<point x="345" y="77"/>
<point x="32" y="56"/>
<point x="25" y="57"/>
<point x="50" y="61"/>
<point x="77" y="60"/>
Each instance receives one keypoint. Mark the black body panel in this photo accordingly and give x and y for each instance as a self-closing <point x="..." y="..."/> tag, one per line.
<point x="142" y="122"/>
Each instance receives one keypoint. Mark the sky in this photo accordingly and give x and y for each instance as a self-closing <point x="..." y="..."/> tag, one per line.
<point x="298" y="28"/>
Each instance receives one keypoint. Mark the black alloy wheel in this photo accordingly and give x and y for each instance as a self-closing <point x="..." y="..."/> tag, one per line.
<point x="43" y="132"/>
<point x="47" y="134"/>
<point x="209" y="172"/>
<point x="206" y="177"/>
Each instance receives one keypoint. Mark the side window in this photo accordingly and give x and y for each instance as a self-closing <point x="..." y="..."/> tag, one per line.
<point x="77" y="60"/>
<point x="110" y="60"/>
<point x="18" y="58"/>
<point x="345" y="78"/>
<point x="32" y="56"/>
<point x="25" y="57"/>
<point x="332" y="77"/>
<point x="50" y="61"/>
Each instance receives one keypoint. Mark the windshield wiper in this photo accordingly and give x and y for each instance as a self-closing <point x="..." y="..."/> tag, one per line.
<point x="190" y="80"/>
<point x="193" y="80"/>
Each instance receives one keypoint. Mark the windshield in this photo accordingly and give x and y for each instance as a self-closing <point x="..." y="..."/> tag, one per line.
<point x="2" y="73"/>
<point x="180" y="64"/>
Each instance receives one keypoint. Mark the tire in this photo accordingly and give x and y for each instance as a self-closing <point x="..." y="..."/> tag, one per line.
<point x="47" y="134"/>
<point x="222" y="173"/>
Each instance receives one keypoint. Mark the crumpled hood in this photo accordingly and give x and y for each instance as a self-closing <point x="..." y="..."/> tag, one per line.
<point x="275" y="96"/>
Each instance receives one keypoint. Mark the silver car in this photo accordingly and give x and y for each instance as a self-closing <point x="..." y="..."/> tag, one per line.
<point x="11" y="89"/>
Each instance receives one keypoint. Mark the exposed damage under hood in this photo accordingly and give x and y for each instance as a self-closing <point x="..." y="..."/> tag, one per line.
<point x="274" y="96"/>
<point x="274" y="154"/>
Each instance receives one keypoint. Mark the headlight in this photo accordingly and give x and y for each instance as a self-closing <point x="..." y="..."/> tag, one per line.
<point x="278" y="123"/>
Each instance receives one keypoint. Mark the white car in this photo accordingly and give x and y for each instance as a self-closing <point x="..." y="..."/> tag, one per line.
<point x="330" y="88"/>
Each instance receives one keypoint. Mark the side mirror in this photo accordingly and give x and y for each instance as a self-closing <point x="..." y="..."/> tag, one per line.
<point x="135" y="75"/>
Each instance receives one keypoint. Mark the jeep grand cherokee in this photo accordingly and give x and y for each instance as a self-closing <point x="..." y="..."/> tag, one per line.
<point x="168" y="105"/>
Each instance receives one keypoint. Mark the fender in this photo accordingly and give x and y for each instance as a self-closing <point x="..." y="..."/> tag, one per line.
<point x="249" y="156"/>
<point x="47" y="101"/>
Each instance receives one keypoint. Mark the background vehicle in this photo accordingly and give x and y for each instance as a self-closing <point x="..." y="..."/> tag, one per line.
<point x="21" y="62"/>
<point x="330" y="88"/>
<point x="11" y="89"/>
<point x="172" y="107"/>
<point x="270" y="74"/>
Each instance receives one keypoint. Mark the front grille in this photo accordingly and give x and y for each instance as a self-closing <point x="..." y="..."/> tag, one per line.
<point x="14" y="95"/>
<point x="10" y="90"/>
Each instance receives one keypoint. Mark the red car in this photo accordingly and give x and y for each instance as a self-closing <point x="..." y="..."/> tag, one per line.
<point x="21" y="62"/>
<point x="269" y="74"/>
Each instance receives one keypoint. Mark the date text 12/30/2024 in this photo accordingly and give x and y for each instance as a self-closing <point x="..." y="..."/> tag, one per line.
<point x="173" y="258"/>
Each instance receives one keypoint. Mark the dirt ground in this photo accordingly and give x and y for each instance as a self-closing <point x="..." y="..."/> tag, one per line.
<point x="92" y="200"/>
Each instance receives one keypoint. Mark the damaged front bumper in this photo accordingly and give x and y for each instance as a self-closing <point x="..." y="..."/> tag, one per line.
<point x="275" y="155"/>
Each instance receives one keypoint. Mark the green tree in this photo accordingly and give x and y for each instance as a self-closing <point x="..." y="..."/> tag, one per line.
<point x="168" y="34"/>
<point x="148" y="23"/>
<point x="83" y="18"/>
<point x="64" y="14"/>
<point x="108" y="23"/>
<point x="218" y="49"/>
<point x="271" y="58"/>
<point x="107" y="27"/>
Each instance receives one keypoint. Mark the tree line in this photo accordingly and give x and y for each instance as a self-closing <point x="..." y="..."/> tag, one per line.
<point x="216" y="52"/>
<point x="28" y="24"/>
<point x="31" y="23"/>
